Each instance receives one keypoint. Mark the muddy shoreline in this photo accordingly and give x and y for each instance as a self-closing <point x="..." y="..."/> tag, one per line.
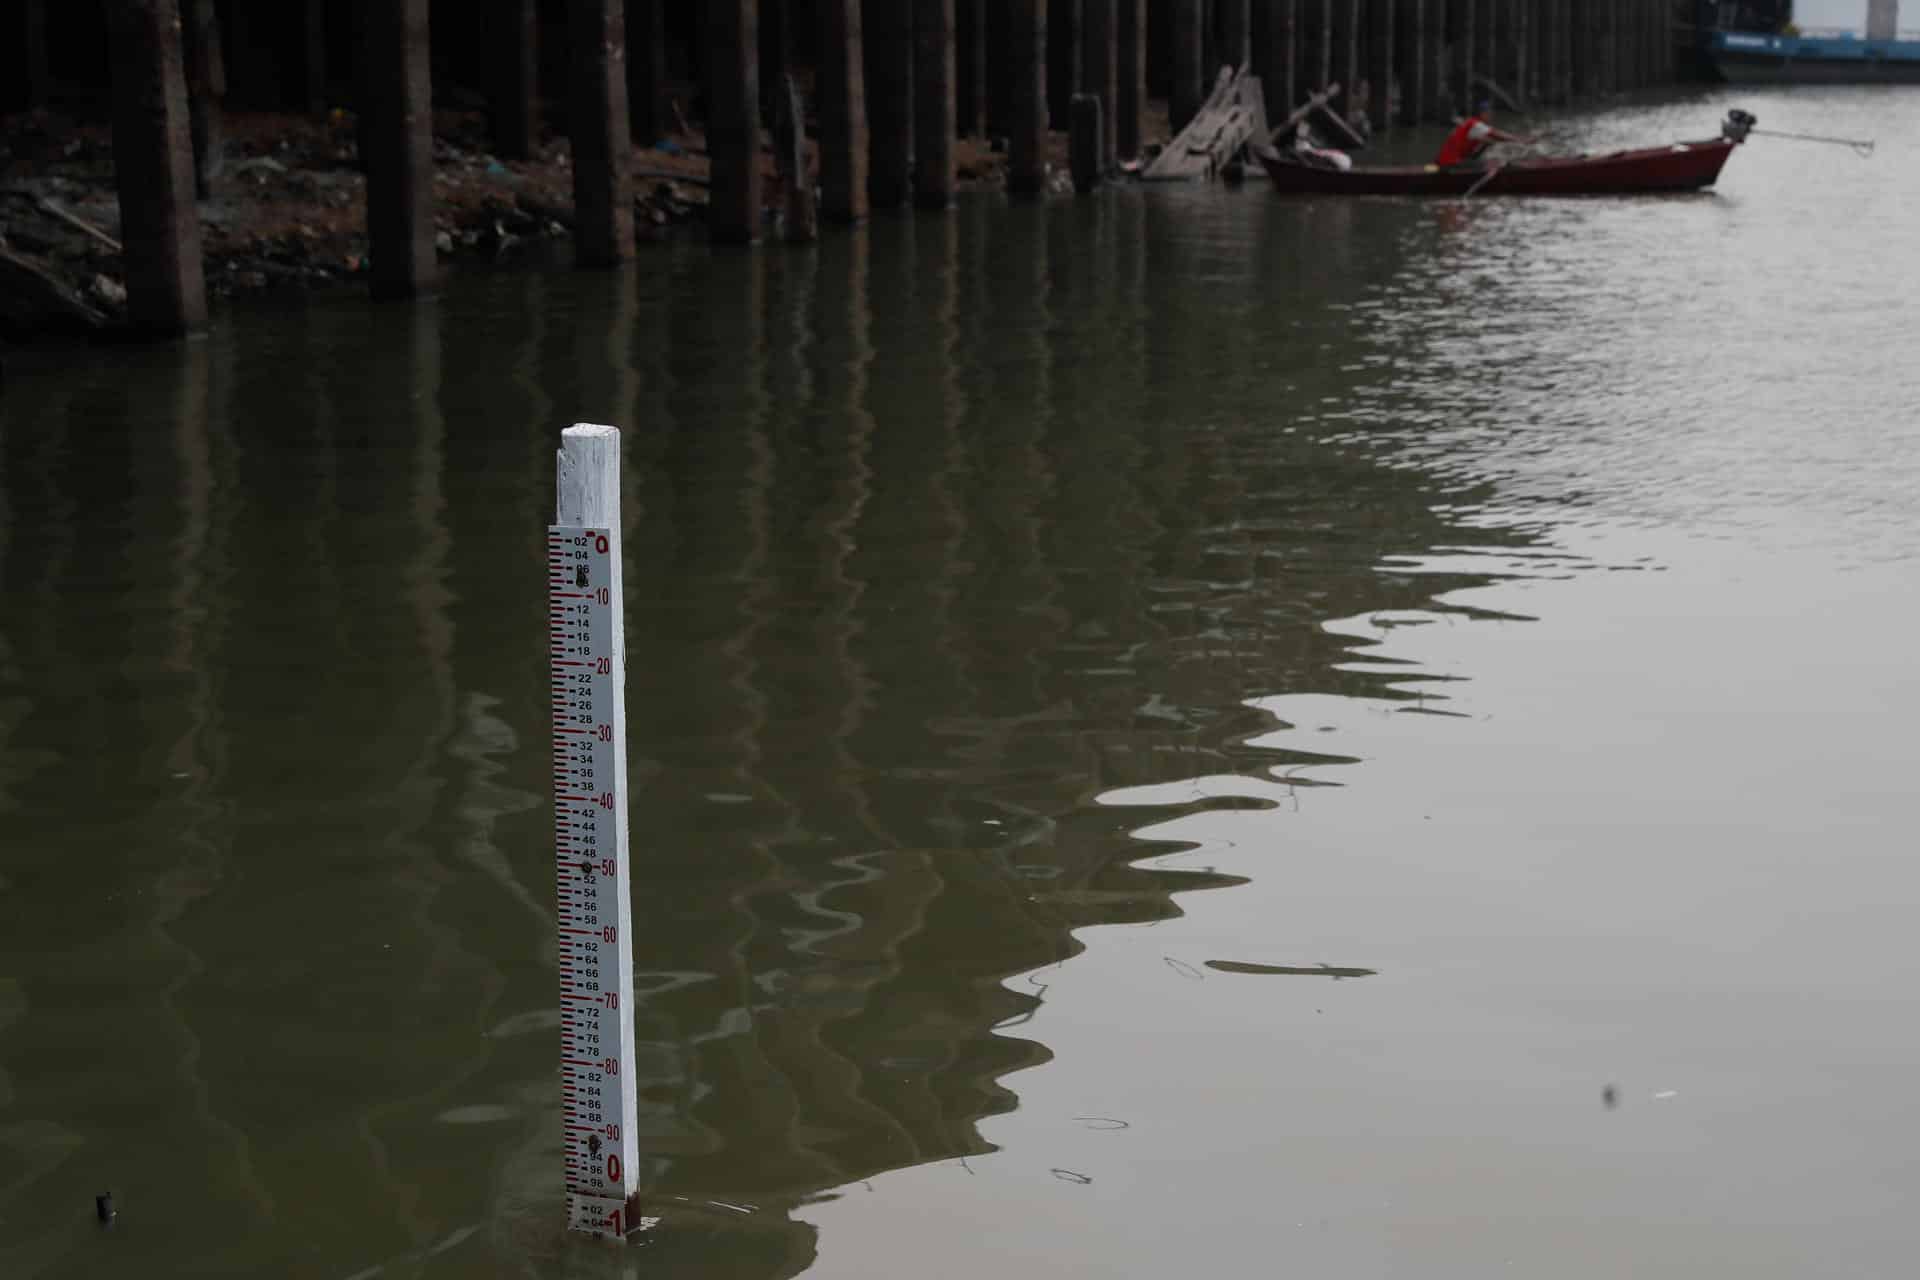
<point x="287" y="210"/>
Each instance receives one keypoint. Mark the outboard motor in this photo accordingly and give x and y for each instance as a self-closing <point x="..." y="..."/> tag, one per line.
<point x="1737" y="125"/>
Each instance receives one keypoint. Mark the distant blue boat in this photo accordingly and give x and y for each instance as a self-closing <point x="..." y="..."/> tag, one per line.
<point x="1745" y="57"/>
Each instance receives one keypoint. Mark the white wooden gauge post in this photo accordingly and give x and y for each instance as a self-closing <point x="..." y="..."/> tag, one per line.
<point x="587" y="662"/>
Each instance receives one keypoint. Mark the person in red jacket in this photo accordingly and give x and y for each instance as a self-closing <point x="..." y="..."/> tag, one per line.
<point x="1471" y="137"/>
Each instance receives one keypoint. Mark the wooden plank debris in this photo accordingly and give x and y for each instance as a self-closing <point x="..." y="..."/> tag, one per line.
<point x="1233" y="115"/>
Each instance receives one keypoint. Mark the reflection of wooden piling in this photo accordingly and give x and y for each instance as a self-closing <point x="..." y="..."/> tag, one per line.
<point x="1380" y="62"/>
<point x="1027" y="97"/>
<point x="890" y="56"/>
<point x="733" y="120"/>
<point x="1273" y="55"/>
<point x="514" y="105"/>
<point x="934" y="112"/>
<point x="1130" y="76"/>
<point x="206" y="91"/>
<point x="398" y="141"/>
<point x="1188" y="85"/>
<point x="840" y="90"/>
<point x="153" y="168"/>
<point x="597" y="120"/>
<point x="1100" y="70"/>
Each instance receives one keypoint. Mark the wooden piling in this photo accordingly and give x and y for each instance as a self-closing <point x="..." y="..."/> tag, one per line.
<point x="1086" y="141"/>
<point x="649" y="117"/>
<point x="1465" y="67"/>
<point x="1063" y="60"/>
<point x="1274" y="58"/>
<point x="840" y="91"/>
<point x="1130" y="77"/>
<point x="1410" y="28"/>
<point x="970" y="88"/>
<point x="33" y="47"/>
<point x="801" y="214"/>
<point x="597" y="122"/>
<point x="776" y="51"/>
<point x="934" y="115"/>
<point x="1579" y="48"/>
<point x="1381" y="61"/>
<point x="889" y="67"/>
<point x="1027" y="97"/>
<point x="153" y="169"/>
<point x="515" y="103"/>
<point x="1324" y="28"/>
<point x="313" y="57"/>
<point x="1233" y="34"/>
<point x="733" y="120"/>
<point x="1344" y="35"/>
<point x="1188" y="87"/>
<point x="1553" y="50"/>
<point x="206" y="92"/>
<point x="398" y="147"/>
<point x="1100" y="70"/>
<point x="1520" y="43"/>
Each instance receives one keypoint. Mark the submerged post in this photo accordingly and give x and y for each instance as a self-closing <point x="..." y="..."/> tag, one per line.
<point x="840" y="86"/>
<point x="597" y="121"/>
<point x="398" y="141"/>
<point x="587" y="673"/>
<point x="733" y="120"/>
<point x="934" y="117"/>
<point x="1027" y="138"/>
<point x="153" y="166"/>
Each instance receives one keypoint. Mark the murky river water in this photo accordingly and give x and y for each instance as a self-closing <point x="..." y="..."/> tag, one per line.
<point x="1054" y="630"/>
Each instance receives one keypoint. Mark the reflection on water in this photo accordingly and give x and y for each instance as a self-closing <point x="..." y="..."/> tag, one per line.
<point x="951" y="546"/>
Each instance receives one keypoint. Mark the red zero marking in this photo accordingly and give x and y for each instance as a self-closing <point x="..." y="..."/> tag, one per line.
<point x="579" y="1062"/>
<point x="580" y="931"/>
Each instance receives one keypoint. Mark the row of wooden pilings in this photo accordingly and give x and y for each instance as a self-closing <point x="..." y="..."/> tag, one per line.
<point x="888" y="83"/>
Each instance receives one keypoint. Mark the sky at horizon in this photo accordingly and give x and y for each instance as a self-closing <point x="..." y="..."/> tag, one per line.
<point x="1831" y="13"/>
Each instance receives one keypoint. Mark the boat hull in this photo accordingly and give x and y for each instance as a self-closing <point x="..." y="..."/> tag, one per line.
<point x="1686" y="166"/>
<point x="1747" y="58"/>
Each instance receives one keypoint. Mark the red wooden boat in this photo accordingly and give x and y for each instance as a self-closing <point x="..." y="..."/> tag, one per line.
<point x="1679" y="166"/>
